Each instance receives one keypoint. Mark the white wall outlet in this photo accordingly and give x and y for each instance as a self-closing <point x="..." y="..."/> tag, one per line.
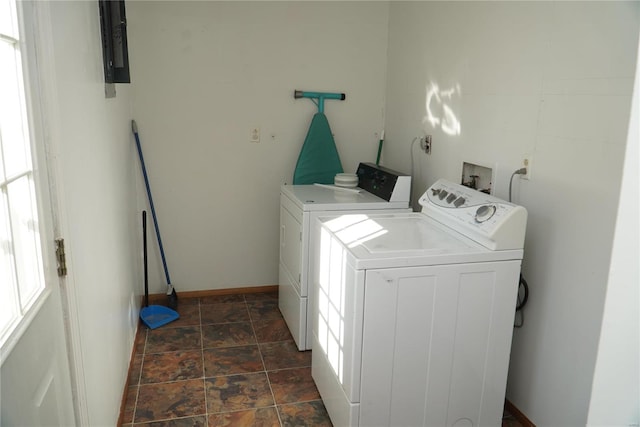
<point x="527" y="163"/>
<point x="425" y="144"/>
<point x="254" y="135"/>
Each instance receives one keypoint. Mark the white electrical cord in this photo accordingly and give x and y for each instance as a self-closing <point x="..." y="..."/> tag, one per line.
<point x="523" y="283"/>
<point x="413" y="174"/>
<point x="521" y="171"/>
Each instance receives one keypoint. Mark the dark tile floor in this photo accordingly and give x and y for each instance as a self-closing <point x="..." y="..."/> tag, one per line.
<point x="228" y="361"/>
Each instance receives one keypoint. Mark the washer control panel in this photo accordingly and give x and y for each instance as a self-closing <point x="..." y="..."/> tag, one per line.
<point x="480" y="216"/>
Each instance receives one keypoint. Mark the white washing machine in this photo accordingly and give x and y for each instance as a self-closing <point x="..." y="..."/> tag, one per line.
<point x="413" y="313"/>
<point x="380" y="190"/>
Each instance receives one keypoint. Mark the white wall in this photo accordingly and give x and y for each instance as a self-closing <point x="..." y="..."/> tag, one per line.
<point x="95" y="160"/>
<point x="204" y="74"/>
<point x="540" y="78"/>
<point x="618" y="361"/>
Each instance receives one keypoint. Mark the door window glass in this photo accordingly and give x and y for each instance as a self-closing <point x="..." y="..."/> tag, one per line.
<point x="21" y="271"/>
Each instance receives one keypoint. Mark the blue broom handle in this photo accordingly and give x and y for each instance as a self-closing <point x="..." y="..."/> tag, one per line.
<point x="134" y="127"/>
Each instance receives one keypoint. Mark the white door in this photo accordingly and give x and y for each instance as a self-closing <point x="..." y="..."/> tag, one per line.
<point x="35" y="382"/>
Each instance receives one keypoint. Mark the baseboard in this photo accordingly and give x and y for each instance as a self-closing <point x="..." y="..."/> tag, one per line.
<point x="162" y="298"/>
<point x="517" y="414"/>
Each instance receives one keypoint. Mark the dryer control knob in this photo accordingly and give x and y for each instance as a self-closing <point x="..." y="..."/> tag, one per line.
<point x="485" y="212"/>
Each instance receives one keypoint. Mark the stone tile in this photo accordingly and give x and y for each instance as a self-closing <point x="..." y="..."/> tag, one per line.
<point x="284" y="354"/>
<point x="170" y="400"/>
<point x="135" y="369"/>
<point x="200" y="421"/>
<point x="238" y="392"/>
<point x="172" y="366"/>
<point x="304" y="414"/>
<point x="187" y="301"/>
<point x="227" y="335"/>
<point x="508" y="420"/>
<point x="189" y="316"/>
<point x="141" y="338"/>
<point x="293" y="385"/>
<point x="262" y="417"/>
<point x="264" y="310"/>
<point x="271" y="330"/>
<point x="232" y="360"/>
<point x="173" y="339"/>
<point x="217" y="299"/>
<point x="130" y="404"/>
<point x="224" y="313"/>
<point x="258" y="296"/>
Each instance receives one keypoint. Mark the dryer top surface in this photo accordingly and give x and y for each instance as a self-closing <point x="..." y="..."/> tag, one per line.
<point x="315" y="198"/>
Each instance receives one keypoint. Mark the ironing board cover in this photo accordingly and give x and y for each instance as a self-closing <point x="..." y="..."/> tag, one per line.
<point x="318" y="161"/>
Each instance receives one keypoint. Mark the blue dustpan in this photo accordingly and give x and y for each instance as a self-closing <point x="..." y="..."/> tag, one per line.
<point x="155" y="316"/>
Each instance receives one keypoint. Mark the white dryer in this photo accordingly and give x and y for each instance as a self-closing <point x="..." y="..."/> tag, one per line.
<point x="413" y="313"/>
<point x="380" y="190"/>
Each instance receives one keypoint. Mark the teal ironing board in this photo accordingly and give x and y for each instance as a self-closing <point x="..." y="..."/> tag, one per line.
<point x="319" y="161"/>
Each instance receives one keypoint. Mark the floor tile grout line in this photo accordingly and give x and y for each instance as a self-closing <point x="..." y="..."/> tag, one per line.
<point x="300" y="401"/>
<point x="173" y="351"/>
<point x="243" y="410"/>
<point x="273" y="395"/>
<point x="224" y="375"/>
<point x="274" y="406"/>
<point x="204" y="373"/>
<point x="266" y="374"/>
<point x="290" y="368"/>
<point x="185" y="417"/>
<point x="229" y="346"/>
<point x="171" y="381"/>
<point x="144" y="348"/>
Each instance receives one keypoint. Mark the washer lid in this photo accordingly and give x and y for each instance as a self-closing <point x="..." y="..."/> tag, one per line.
<point x="412" y="239"/>
<point x="315" y="198"/>
<point x="414" y="234"/>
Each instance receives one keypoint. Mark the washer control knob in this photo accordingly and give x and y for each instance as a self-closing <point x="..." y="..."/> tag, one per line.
<point x="435" y="191"/>
<point x="443" y="194"/>
<point x="451" y="198"/>
<point x="485" y="212"/>
<point x="459" y="202"/>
